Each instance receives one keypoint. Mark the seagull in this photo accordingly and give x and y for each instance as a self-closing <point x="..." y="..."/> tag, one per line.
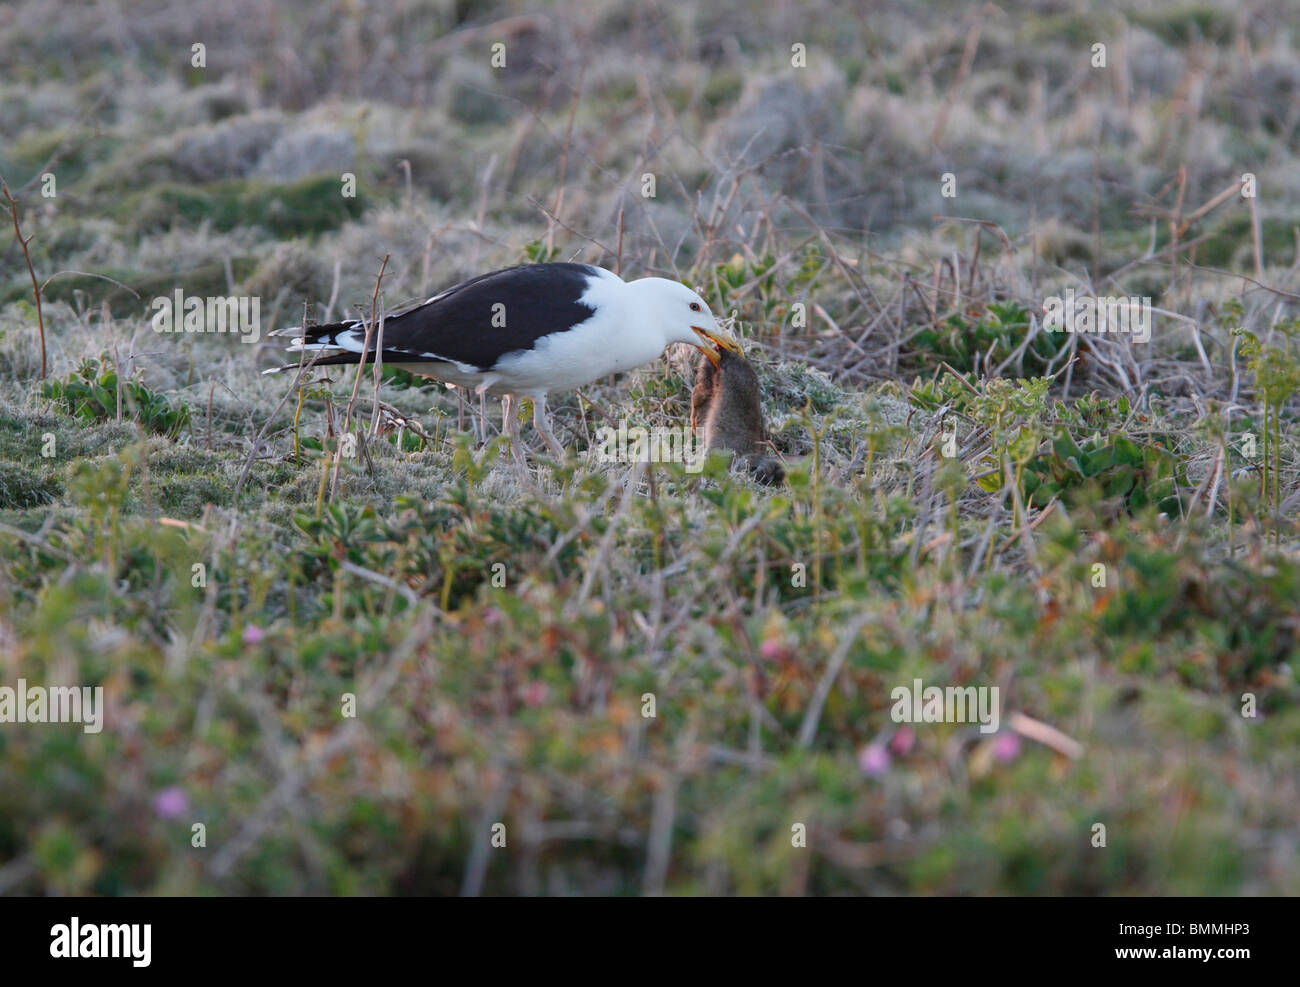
<point x="525" y="331"/>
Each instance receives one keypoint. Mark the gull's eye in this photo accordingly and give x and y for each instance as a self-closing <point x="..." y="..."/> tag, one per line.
<point x="695" y="306"/>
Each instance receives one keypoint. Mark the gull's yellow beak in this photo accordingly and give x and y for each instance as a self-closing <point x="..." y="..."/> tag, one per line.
<point x="714" y="344"/>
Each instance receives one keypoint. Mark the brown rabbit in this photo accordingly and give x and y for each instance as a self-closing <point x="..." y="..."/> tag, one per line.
<point x="726" y="401"/>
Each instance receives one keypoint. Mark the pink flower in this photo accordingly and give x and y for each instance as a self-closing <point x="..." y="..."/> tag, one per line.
<point x="253" y="634"/>
<point x="771" y="649"/>
<point x="170" y="803"/>
<point x="535" y="694"/>
<point x="873" y="760"/>
<point x="902" y="740"/>
<point x="1006" y="746"/>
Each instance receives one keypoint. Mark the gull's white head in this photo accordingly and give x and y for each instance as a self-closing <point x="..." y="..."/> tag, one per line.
<point x="681" y="316"/>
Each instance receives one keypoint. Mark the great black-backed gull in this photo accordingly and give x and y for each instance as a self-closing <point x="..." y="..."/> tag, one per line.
<point x="527" y="331"/>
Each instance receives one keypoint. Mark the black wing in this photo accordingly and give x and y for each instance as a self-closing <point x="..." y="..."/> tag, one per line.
<point x="457" y="325"/>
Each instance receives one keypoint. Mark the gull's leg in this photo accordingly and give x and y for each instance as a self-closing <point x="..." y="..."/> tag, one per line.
<point x="510" y="419"/>
<point x="482" y="429"/>
<point x="542" y="422"/>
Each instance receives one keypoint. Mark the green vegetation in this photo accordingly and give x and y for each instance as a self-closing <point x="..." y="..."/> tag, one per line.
<point x="997" y="335"/>
<point x="296" y="209"/>
<point x="94" y="392"/>
<point x="346" y="636"/>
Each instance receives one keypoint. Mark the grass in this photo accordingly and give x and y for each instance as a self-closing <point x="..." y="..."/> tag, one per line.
<point x="335" y="674"/>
